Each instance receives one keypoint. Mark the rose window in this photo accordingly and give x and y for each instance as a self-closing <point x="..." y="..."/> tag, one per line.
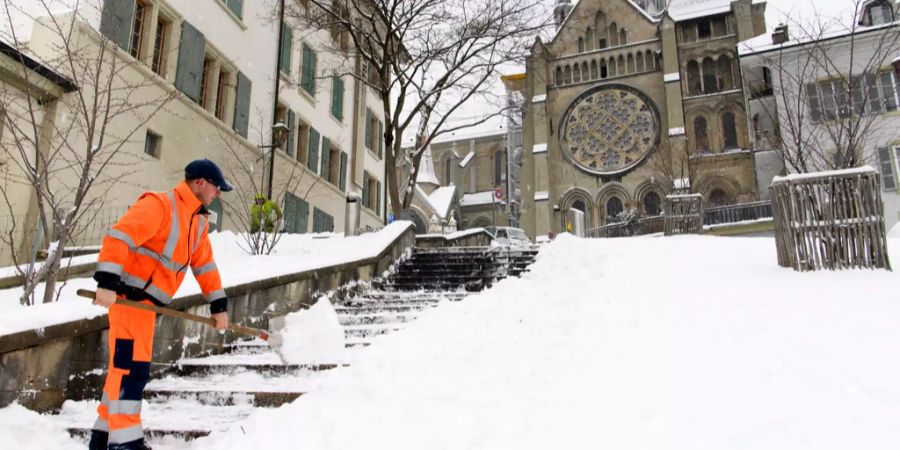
<point x="609" y="129"/>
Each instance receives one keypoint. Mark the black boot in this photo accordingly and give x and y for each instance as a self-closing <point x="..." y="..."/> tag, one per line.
<point x="98" y="440"/>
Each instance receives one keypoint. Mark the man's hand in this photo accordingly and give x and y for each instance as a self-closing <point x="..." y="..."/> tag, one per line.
<point x="221" y="320"/>
<point x="104" y="297"/>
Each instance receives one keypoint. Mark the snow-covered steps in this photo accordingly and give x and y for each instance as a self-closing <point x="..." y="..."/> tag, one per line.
<point x="375" y="318"/>
<point x="263" y="399"/>
<point x="364" y="331"/>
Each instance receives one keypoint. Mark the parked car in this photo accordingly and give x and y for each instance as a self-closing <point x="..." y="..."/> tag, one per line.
<point x="509" y="236"/>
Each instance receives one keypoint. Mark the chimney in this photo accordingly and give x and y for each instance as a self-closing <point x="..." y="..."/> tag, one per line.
<point x="780" y="35"/>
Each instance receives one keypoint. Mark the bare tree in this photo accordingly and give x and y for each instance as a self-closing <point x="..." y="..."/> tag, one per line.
<point x="425" y="59"/>
<point x="249" y="178"/>
<point x="71" y="161"/>
<point x="829" y="124"/>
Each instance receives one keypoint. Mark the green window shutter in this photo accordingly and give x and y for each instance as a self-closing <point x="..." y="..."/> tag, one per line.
<point x="287" y="39"/>
<point x="292" y="130"/>
<point x="337" y="98"/>
<point x="236" y="6"/>
<point x="343" y="180"/>
<point x="296" y="211"/>
<point x="115" y="22"/>
<point x="322" y="222"/>
<point x="365" y="194"/>
<point x="242" y="104"/>
<point x="368" y="128"/>
<point x="308" y="76"/>
<point x="326" y="159"/>
<point x="378" y="198"/>
<point x="313" y="162"/>
<point x="191" y="51"/>
<point x="380" y="138"/>
<point x="216" y="207"/>
<point x="886" y="166"/>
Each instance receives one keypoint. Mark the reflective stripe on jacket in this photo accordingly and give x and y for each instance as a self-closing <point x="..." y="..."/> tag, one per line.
<point x="148" y="251"/>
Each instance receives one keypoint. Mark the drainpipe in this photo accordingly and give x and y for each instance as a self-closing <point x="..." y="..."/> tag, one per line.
<point x="275" y="102"/>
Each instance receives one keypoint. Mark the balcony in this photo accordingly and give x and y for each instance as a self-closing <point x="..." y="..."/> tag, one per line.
<point x="607" y="63"/>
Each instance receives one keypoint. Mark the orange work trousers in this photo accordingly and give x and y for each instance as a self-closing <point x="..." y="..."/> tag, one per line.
<point x="130" y="352"/>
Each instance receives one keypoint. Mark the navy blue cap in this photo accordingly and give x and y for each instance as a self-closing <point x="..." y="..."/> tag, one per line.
<point x="206" y="169"/>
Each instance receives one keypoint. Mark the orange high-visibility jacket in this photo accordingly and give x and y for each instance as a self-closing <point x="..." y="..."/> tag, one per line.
<point x="145" y="254"/>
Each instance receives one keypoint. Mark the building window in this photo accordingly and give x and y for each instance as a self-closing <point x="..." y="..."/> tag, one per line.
<point x="730" y="129"/>
<point x="652" y="204"/>
<point x="137" y="29"/>
<point x="888" y="168"/>
<point x="704" y="30"/>
<point x="710" y="82"/>
<point x="701" y="140"/>
<point x="308" y="75"/>
<point x="726" y="74"/>
<point x="153" y="144"/>
<point x="235" y="6"/>
<point x="499" y="167"/>
<point x="879" y="13"/>
<point x="580" y="45"/>
<point x="302" y="142"/>
<point x="205" y="83"/>
<point x="830" y="99"/>
<point x="448" y="168"/>
<point x="160" y="46"/>
<point x="322" y="222"/>
<point x="222" y="93"/>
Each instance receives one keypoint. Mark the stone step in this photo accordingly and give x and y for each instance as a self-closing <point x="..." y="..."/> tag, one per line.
<point x="261" y="369"/>
<point x="262" y="399"/>
<point x="378" y="309"/>
<point x="363" y="301"/>
<point x="374" y="319"/>
<point x="150" y="435"/>
<point x="434" y="286"/>
<point x="368" y="331"/>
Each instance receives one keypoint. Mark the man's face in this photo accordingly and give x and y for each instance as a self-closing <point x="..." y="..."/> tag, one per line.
<point x="206" y="191"/>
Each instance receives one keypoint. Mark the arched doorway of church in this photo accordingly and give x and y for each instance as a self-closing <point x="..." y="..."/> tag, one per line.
<point x="418" y="221"/>
<point x="652" y="204"/>
<point x="718" y="197"/>
<point x="614" y="208"/>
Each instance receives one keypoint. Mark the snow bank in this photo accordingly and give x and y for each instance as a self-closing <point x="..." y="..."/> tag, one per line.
<point x="313" y="335"/>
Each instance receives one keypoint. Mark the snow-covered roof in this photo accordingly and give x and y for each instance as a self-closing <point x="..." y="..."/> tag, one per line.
<point x="478" y="198"/>
<point x="467" y="159"/>
<point x="426" y="169"/>
<point x="763" y="43"/>
<point x="441" y="200"/>
<point x="493" y="126"/>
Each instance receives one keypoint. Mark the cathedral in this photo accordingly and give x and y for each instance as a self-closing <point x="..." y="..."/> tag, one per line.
<point x="633" y="100"/>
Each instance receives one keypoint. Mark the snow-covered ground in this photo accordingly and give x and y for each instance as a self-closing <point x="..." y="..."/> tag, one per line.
<point x="294" y="253"/>
<point x="691" y="342"/>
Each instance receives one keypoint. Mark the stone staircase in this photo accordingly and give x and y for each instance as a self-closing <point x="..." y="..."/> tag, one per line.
<point x="200" y="395"/>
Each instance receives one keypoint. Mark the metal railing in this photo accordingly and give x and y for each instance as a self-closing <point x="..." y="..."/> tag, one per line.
<point x="719" y="215"/>
<point x="741" y="212"/>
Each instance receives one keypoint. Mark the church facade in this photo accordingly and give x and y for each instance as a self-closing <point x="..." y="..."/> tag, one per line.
<point x="629" y="101"/>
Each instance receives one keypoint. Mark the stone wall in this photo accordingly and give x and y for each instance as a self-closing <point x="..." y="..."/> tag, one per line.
<point x="479" y="238"/>
<point x="42" y="368"/>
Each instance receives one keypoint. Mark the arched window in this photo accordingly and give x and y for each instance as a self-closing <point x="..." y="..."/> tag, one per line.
<point x="600" y="26"/>
<point x="630" y="65"/>
<point x="612" y="67"/>
<point x="623" y="37"/>
<point x="499" y="168"/>
<point x="639" y="62"/>
<point x="704" y="31"/>
<point x="718" y="197"/>
<point x="879" y="13"/>
<point x="620" y="65"/>
<point x="576" y="73"/>
<point x="589" y="38"/>
<point x="710" y="84"/>
<point x="567" y="76"/>
<point x="594" y="72"/>
<point x="613" y="34"/>
<point x="614" y="207"/>
<point x="689" y="32"/>
<point x="580" y="45"/>
<point x="652" y="204"/>
<point x="650" y="61"/>
<point x="695" y="86"/>
<point x="728" y="126"/>
<point x="604" y="71"/>
<point x="559" y="75"/>
<point x="701" y="140"/>
<point x="726" y="75"/>
<point x="579" y="205"/>
<point x="584" y="71"/>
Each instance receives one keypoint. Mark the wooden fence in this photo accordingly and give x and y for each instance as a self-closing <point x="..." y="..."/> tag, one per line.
<point x="684" y="214"/>
<point x="830" y="220"/>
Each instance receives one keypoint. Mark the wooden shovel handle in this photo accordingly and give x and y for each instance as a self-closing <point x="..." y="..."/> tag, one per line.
<point x="249" y="331"/>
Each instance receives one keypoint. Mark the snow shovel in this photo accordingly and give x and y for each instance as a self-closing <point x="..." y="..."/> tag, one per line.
<point x="274" y="340"/>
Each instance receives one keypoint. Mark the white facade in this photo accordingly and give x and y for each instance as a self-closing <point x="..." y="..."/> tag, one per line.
<point x="771" y="69"/>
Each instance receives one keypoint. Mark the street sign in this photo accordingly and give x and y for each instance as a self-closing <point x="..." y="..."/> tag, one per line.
<point x="498" y="193"/>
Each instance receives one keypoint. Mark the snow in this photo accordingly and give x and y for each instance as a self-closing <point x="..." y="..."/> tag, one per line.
<point x="478" y="198"/>
<point x="465" y="161"/>
<point x="441" y="200"/>
<point x="687" y="342"/>
<point x="294" y="253"/>
<point x="539" y="148"/>
<point x="541" y="195"/>
<point x="313" y="335"/>
<point x="10" y="271"/>
<point x="691" y="9"/>
<point x="826" y="173"/>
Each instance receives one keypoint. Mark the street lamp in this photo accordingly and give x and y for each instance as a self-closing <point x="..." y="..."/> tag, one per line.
<point x="279" y="135"/>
